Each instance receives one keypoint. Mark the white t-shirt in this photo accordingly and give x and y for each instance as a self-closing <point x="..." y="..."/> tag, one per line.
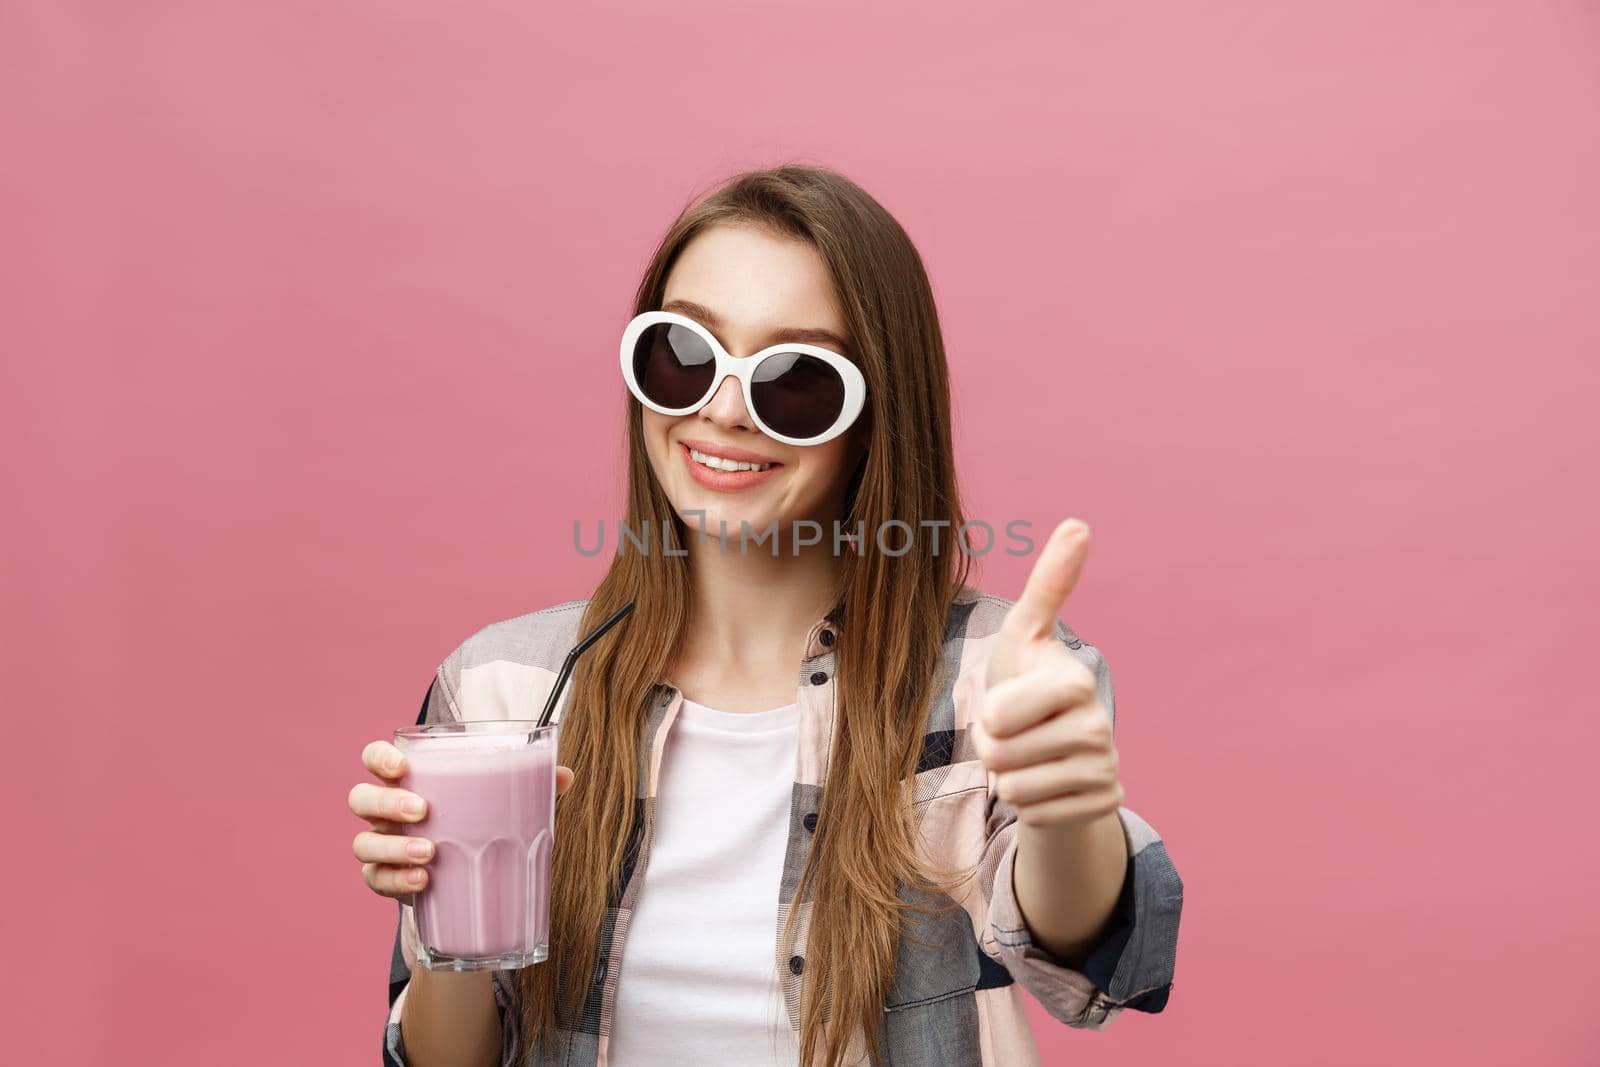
<point x="699" y="979"/>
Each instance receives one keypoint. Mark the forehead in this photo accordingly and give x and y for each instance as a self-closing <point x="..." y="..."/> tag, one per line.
<point x="755" y="280"/>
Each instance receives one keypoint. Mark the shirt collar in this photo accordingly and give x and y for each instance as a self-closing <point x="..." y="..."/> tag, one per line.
<point x="822" y="640"/>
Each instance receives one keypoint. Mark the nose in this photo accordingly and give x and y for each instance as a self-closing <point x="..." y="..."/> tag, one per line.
<point x="726" y="408"/>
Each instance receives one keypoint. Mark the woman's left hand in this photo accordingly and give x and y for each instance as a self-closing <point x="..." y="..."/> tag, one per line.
<point x="1041" y="726"/>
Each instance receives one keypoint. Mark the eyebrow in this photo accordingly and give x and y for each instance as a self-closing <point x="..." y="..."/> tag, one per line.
<point x="793" y="334"/>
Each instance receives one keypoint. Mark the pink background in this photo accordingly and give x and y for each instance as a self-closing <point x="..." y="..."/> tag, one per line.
<point x="308" y="334"/>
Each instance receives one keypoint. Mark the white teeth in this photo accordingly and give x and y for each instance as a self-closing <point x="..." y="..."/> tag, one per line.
<point x="719" y="464"/>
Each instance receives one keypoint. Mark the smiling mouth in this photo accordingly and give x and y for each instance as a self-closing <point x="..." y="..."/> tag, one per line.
<point x="718" y="463"/>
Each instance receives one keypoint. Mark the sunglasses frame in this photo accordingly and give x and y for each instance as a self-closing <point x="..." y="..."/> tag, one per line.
<point x="744" y="368"/>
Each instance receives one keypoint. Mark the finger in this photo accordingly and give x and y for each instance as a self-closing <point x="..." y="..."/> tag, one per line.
<point x="1077" y="773"/>
<point x="1060" y="683"/>
<point x="1085" y="728"/>
<point x="1050" y="582"/>
<point x="394" y="881"/>
<point x="1079" y="807"/>
<point x="394" y="849"/>
<point x="563" y="779"/>
<point x="384" y="760"/>
<point x="387" y="802"/>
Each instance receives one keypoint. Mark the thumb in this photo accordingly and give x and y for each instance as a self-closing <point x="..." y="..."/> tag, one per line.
<point x="1032" y="617"/>
<point x="1054" y="576"/>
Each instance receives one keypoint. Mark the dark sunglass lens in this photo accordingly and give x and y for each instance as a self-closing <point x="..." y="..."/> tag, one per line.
<point x="796" y="394"/>
<point x="673" y="365"/>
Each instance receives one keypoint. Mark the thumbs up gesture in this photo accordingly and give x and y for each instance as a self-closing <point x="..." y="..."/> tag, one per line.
<point x="1041" y="727"/>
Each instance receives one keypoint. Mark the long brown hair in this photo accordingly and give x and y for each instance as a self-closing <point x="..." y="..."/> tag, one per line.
<point x="891" y="612"/>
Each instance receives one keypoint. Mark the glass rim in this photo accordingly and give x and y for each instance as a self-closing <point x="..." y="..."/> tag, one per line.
<point x="474" y="728"/>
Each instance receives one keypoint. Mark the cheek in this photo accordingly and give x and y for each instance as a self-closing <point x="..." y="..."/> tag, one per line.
<point x="655" y="427"/>
<point x="825" y="469"/>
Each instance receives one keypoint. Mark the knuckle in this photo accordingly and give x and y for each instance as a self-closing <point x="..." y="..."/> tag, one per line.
<point x="1076" y="687"/>
<point x="1075" y="669"/>
<point x="391" y="761"/>
<point x="383" y="759"/>
<point x="1097" y="730"/>
<point x="1063" y="737"/>
<point x="394" y="801"/>
<point x="1005" y="788"/>
<point x="391" y="881"/>
<point x="399" y="800"/>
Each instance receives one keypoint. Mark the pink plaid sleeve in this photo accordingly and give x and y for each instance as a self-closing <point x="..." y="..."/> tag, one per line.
<point x="1132" y="965"/>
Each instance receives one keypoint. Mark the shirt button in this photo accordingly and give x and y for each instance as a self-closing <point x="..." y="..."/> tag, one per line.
<point x="810" y="821"/>
<point x="827" y="637"/>
<point x="796" y="964"/>
<point x="819" y="678"/>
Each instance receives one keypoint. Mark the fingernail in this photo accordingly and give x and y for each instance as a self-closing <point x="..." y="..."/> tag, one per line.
<point x="414" y="877"/>
<point x="419" y="850"/>
<point x="412" y="806"/>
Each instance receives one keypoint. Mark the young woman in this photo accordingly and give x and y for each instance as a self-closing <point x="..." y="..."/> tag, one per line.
<point x="824" y="802"/>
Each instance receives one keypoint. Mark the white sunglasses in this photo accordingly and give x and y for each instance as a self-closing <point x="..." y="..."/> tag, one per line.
<point x="798" y="394"/>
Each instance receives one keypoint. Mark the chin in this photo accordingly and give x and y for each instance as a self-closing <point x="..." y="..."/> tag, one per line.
<point x="709" y="513"/>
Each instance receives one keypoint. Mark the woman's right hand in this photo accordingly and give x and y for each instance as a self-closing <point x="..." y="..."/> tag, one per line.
<point x="392" y="861"/>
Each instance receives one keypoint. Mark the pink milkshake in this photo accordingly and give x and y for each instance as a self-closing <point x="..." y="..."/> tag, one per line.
<point x="491" y="791"/>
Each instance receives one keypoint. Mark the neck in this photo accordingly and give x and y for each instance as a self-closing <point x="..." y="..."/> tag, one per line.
<point x="755" y="608"/>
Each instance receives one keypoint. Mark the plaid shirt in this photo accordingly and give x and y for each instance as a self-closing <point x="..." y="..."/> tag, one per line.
<point x="954" y="1000"/>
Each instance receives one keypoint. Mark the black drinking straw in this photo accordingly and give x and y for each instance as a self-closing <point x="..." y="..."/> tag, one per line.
<point x="572" y="657"/>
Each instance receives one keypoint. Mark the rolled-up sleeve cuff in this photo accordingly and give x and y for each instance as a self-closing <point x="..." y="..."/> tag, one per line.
<point x="393" y="1054"/>
<point x="1132" y="964"/>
